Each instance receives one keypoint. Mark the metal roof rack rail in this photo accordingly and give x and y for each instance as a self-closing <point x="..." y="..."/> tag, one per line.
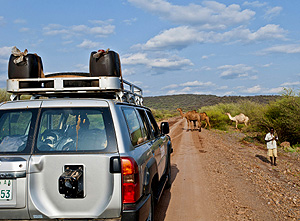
<point x="100" y="87"/>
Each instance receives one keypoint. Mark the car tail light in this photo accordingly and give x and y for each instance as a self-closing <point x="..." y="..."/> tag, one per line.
<point x="130" y="180"/>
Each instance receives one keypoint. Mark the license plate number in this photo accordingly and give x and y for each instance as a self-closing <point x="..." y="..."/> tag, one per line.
<point x="5" y="189"/>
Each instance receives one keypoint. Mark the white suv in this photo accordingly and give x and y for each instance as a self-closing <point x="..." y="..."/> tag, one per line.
<point x="80" y="152"/>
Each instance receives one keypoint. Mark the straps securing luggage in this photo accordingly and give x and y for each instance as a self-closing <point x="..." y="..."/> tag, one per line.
<point x="18" y="54"/>
<point x="24" y="65"/>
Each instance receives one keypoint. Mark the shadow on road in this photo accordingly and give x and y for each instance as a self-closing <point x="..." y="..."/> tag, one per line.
<point x="262" y="158"/>
<point x="163" y="204"/>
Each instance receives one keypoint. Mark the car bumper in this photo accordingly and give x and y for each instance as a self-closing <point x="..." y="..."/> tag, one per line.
<point x="137" y="211"/>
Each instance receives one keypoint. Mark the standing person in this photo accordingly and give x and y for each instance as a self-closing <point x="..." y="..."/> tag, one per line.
<point x="272" y="146"/>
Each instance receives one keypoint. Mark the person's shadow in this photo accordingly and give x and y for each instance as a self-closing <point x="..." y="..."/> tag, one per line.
<point x="262" y="158"/>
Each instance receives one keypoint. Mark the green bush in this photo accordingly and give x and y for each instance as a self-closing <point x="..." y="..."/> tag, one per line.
<point x="160" y="115"/>
<point x="3" y="95"/>
<point x="219" y="119"/>
<point x="284" y="116"/>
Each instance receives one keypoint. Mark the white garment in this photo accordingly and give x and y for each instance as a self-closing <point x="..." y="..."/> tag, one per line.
<point x="271" y="144"/>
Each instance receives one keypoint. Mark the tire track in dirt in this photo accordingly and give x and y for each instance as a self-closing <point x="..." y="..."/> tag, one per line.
<point x="189" y="196"/>
<point x="215" y="177"/>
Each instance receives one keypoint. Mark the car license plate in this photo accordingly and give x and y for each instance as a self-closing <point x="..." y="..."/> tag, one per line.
<point x="6" y="189"/>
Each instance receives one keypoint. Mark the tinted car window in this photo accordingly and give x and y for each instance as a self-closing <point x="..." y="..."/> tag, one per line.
<point x="154" y="127"/>
<point x="136" y="129"/>
<point x="76" y="130"/>
<point x="144" y="120"/>
<point x="15" y="127"/>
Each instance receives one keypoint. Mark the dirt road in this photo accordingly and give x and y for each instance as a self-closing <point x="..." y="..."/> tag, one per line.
<point x="217" y="177"/>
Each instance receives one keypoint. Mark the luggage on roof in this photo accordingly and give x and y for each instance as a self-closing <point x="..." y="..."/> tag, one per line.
<point x="24" y="65"/>
<point x="105" y="63"/>
<point x="25" y="73"/>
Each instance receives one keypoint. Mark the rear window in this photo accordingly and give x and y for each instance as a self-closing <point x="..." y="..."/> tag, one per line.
<point x="76" y="130"/>
<point x="16" y="126"/>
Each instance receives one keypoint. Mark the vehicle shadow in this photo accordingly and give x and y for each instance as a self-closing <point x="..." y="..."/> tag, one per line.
<point x="262" y="158"/>
<point x="163" y="204"/>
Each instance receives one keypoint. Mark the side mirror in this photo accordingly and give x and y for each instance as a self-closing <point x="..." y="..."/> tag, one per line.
<point x="164" y="128"/>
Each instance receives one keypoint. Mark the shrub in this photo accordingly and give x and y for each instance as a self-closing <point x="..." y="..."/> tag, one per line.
<point x="284" y="116"/>
<point x="160" y="115"/>
<point x="3" y="95"/>
<point x="219" y="119"/>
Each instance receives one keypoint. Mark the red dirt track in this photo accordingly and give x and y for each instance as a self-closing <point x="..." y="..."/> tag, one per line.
<point x="216" y="177"/>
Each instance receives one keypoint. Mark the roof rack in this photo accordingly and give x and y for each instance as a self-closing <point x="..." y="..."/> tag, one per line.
<point x="101" y="87"/>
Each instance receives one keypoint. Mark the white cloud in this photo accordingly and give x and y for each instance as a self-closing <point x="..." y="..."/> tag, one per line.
<point x="276" y="90"/>
<point x="88" y="44"/>
<point x="289" y="84"/>
<point x="268" y="32"/>
<point x="20" y="21"/>
<point x="81" y="68"/>
<point x="184" y="36"/>
<point x="183" y="91"/>
<point x="288" y="49"/>
<point x="134" y="59"/>
<point x="267" y="65"/>
<point x="101" y="29"/>
<point x="130" y="21"/>
<point x="228" y="93"/>
<point x="207" y="56"/>
<point x="191" y="87"/>
<point x="206" y="68"/>
<point x="258" y="89"/>
<point x="235" y="71"/>
<point x="24" y="30"/>
<point x="222" y="88"/>
<point x="171" y="86"/>
<point x="101" y="22"/>
<point x="253" y="90"/>
<point x="210" y="14"/>
<point x="171" y="62"/>
<point x="5" y="51"/>
<point x="55" y="29"/>
<point x="127" y="72"/>
<point x="256" y="4"/>
<point x="253" y="77"/>
<point x="273" y="12"/>
<point x="197" y="84"/>
<point x="171" y="92"/>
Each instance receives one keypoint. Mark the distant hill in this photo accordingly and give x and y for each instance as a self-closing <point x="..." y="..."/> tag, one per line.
<point x="194" y="102"/>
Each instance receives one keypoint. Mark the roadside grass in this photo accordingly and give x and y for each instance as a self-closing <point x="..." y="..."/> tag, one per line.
<point x="4" y="96"/>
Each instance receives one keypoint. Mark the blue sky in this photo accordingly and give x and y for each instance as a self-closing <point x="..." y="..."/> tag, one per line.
<point x="167" y="47"/>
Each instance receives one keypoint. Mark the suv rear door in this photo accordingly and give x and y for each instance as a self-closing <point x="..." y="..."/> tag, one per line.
<point x="69" y="172"/>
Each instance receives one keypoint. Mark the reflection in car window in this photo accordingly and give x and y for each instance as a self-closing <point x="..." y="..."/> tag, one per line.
<point x="15" y="126"/>
<point x="74" y="130"/>
<point x="137" y="132"/>
<point x="145" y="123"/>
<point x="154" y="127"/>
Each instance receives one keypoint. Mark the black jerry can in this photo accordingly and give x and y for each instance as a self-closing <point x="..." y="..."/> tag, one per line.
<point x="108" y="64"/>
<point x="30" y="67"/>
